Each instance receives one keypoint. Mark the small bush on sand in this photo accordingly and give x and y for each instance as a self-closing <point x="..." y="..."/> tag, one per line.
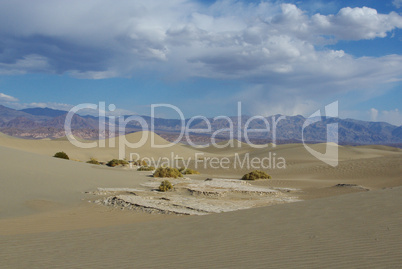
<point x="165" y="186"/>
<point x="146" y="168"/>
<point x="93" y="161"/>
<point x="257" y="174"/>
<point x="61" y="155"/>
<point x="140" y="163"/>
<point x="189" y="171"/>
<point x="116" y="162"/>
<point x="167" y="172"/>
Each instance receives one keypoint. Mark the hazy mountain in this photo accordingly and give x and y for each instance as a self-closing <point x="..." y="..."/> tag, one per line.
<point x="50" y="123"/>
<point x="77" y="122"/>
<point x="7" y="114"/>
<point x="42" y="117"/>
<point x="21" y="123"/>
<point x="47" y="112"/>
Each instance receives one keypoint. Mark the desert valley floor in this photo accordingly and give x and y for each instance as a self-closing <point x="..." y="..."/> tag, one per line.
<point x="55" y="213"/>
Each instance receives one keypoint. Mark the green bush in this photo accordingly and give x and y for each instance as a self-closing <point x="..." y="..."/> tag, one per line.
<point x="257" y="174"/>
<point x="116" y="162"/>
<point x="93" y="161"/>
<point x="165" y="186"/>
<point x="146" y="168"/>
<point x="167" y="172"/>
<point x="61" y="155"/>
<point x="189" y="171"/>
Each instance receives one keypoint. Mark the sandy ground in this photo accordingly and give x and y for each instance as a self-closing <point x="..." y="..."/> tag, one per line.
<point x="47" y="221"/>
<point x="357" y="231"/>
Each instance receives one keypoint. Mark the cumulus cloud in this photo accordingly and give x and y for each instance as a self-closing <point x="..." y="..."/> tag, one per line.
<point x="397" y="3"/>
<point x="101" y="39"/>
<point x="278" y="48"/>
<point x="356" y="23"/>
<point x="18" y="105"/>
<point x="373" y="114"/>
<point x="7" y="98"/>
<point x="27" y="63"/>
<point x="391" y="116"/>
<point x="52" y="105"/>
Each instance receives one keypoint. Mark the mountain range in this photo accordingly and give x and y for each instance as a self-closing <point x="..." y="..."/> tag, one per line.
<point x="49" y="123"/>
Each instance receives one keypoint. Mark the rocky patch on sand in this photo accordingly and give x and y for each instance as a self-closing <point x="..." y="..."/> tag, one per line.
<point x="354" y="186"/>
<point x="194" y="197"/>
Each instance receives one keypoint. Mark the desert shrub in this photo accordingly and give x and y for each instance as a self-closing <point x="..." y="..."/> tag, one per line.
<point x="257" y="174"/>
<point x="167" y="172"/>
<point x="146" y="168"/>
<point x="61" y="155"/>
<point x="116" y="162"/>
<point x="189" y="171"/>
<point x="165" y="186"/>
<point x="113" y="163"/>
<point x="93" y="161"/>
<point x="140" y="163"/>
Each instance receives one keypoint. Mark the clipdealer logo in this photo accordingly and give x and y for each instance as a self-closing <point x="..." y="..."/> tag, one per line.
<point x="236" y="130"/>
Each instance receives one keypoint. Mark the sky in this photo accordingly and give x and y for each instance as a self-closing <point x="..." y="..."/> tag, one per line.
<point x="275" y="57"/>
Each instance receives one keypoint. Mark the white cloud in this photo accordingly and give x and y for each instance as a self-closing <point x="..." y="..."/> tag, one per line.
<point x="7" y="98"/>
<point x="93" y="74"/>
<point x="266" y="44"/>
<point x="397" y="3"/>
<point x="348" y="24"/>
<point x="357" y="23"/>
<point x="52" y="105"/>
<point x="28" y="63"/>
<point x="373" y="114"/>
<point x="391" y="116"/>
<point x="102" y="39"/>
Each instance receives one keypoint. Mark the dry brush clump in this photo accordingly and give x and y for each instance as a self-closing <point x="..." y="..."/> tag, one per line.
<point x="257" y="174"/>
<point x="93" y="161"/>
<point x="188" y="171"/>
<point x="61" y="155"/>
<point x="146" y="168"/>
<point x="140" y="163"/>
<point x="167" y="172"/>
<point x="165" y="186"/>
<point x="116" y="162"/>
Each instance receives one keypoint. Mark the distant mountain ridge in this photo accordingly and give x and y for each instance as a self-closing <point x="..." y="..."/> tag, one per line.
<point x="46" y="122"/>
<point x="7" y="114"/>
<point x="47" y="112"/>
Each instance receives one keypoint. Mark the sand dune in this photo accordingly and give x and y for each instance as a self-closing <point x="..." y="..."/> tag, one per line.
<point x="105" y="150"/>
<point x="357" y="231"/>
<point x="350" y="216"/>
<point x="27" y="178"/>
<point x="227" y="148"/>
<point x="109" y="148"/>
<point x="297" y="152"/>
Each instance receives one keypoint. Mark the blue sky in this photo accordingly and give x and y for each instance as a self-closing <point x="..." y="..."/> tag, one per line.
<point x="276" y="57"/>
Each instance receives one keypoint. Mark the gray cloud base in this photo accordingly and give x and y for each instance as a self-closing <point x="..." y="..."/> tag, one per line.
<point x="273" y="47"/>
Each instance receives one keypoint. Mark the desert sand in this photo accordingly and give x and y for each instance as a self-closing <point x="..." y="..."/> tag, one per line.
<point x="344" y="217"/>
